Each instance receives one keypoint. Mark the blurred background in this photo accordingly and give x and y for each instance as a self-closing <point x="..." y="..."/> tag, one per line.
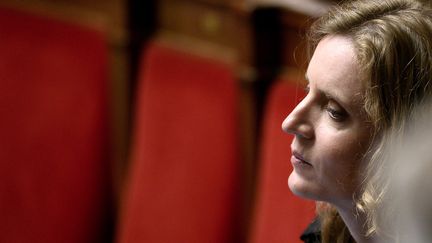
<point x="150" y="121"/>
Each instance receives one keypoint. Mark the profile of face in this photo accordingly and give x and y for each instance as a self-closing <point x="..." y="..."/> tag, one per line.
<point x="331" y="131"/>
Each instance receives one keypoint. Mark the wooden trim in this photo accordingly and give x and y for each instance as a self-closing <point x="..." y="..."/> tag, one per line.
<point x="307" y="7"/>
<point x="198" y="47"/>
<point x="97" y="16"/>
<point x="291" y="74"/>
<point x="64" y="12"/>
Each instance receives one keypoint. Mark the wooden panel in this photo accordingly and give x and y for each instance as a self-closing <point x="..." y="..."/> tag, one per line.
<point x="295" y="26"/>
<point x="197" y="20"/>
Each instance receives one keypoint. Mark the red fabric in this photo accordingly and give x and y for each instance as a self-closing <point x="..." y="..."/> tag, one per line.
<point x="53" y="169"/>
<point x="280" y="216"/>
<point x="184" y="175"/>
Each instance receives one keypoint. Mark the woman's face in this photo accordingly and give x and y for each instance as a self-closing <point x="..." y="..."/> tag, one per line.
<point x="330" y="128"/>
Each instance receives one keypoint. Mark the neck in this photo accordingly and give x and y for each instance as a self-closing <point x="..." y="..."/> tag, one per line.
<point x="355" y="221"/>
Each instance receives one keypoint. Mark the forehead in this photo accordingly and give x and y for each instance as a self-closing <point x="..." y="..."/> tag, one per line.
<point x="334" y="69"/>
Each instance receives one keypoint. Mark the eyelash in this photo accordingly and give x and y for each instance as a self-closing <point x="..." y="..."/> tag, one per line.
<point x="337" y="116"/>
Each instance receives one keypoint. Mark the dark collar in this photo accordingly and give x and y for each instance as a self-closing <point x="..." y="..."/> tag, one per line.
<point x="312" y="234"/>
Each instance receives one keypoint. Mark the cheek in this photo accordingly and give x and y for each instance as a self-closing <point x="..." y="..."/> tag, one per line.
<point x="335" y="160"/>
<point x="340" y="160"/>
<point x="344" y="147"/>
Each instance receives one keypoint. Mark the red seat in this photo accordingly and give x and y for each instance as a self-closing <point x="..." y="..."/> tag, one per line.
<point x="279" y="215"/>
<point x="183" y="184"/>
<point x="54" y="173"/>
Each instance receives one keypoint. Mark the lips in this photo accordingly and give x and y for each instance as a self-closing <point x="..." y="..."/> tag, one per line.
<point x="299" y="158"/>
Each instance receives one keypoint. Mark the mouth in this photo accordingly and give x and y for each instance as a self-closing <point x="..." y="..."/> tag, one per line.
<point x="298" y="159"/>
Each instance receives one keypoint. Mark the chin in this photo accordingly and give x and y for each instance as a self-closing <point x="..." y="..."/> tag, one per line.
<point x="301" y="187"/>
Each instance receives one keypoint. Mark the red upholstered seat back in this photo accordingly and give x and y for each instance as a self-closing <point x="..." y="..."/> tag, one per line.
<point x="183" y="184"/>
<point x="279" y="215"/>
<point x="54" y="171"/>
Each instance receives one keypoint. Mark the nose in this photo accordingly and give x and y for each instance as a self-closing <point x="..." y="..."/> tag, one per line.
<point x="299" y="122"/>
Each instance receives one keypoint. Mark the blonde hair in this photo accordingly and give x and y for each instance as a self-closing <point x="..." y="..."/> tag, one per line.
<point x="392" y="40"/>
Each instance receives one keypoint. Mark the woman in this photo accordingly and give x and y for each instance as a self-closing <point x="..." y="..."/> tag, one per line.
<point x="371" y="65"/>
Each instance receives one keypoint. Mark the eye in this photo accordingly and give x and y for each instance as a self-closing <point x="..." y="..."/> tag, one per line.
<point x="336" y="114"/>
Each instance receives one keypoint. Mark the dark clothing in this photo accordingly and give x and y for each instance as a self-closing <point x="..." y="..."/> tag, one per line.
<point x="312" y="234"/>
